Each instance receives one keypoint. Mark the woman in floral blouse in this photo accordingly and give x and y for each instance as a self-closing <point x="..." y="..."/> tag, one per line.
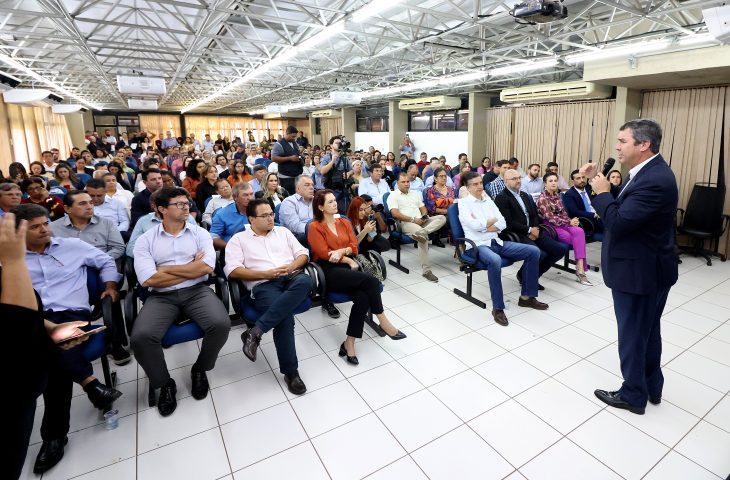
<point x="437" y="199"/>
<point x="551" y="209"/>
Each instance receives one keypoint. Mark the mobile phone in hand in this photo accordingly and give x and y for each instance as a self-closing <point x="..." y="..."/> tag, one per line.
<point x="92" y="330"/>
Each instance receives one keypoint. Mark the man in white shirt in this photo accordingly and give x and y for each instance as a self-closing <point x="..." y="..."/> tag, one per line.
<point x="374" y="185"/>
<point x="416" y="184"/>
<point x="114" y="191"/>
<point x="109" y="208"/>
<point x="482" y="221"/>
<point x="208" y="143"/>
<point x="407" y="207"/>
<point x="269" y="261"/>
<point x="111" y="140"/>
<point x="196" y="142"/>
<point x="169" y="141"/>
<point x="532" y="182"/>
<point x="48" y="163"/>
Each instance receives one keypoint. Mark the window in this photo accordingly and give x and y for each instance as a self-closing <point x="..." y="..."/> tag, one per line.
<point x="439" y="121"/>
<point x="372" y="119"/>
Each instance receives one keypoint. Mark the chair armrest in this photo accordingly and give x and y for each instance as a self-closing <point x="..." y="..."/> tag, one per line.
<point x="381" y="261"/>
<point x="472" y="245"/>
<point x="548" y="230"/>
<point x="587" y="225"/>
<point x="510" y="236"/>
<point x="129" y="272"/>
<point x="321" y="281"/>
<point x="317" y="283"/>
<point x="235" y="287"/>
<point x="205" y="225"/>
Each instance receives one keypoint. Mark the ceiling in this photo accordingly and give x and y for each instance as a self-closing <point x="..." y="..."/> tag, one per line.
<point x="218" y="47"/>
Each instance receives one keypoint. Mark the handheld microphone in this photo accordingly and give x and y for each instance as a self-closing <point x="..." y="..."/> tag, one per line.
<point x="607" y="166"/>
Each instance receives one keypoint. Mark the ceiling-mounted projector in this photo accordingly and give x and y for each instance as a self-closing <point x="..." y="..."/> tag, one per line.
<point x="346" y="98"/>
<point x="717" y="20"/>
<point x="141" y="85"/>
<point x="539" y="11"/>
<point x="8" y="82"/>
<point x="141" y="104"/>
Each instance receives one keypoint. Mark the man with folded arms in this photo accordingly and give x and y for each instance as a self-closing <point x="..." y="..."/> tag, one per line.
<point x="269" y="260"/>
<point x="174" y="260"/>
<point x="482" y="222"/>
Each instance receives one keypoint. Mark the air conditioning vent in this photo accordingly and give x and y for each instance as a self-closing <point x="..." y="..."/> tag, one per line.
<point x="430" y="103"/>
<point x="141" y="85"/>
<point x="139" y="104"/>
<point x="326" y="114"/>
<point x="556" y="92"/>
<point x="38" y="97"/>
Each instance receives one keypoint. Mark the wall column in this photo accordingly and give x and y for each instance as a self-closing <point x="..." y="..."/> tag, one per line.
<point x="349" y="123"/>
<point x="75" y="122"/>
<point x="397" y="127"/>
<point x="477" y="136"/>
<point x="628" y="107"/>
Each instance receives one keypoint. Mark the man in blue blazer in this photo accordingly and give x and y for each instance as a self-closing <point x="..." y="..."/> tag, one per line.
<point x="578" y="200"/>
<point x="638" y="259"/>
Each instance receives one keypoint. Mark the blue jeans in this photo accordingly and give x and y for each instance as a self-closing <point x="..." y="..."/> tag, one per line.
<point x="278" y="299"/>
<point x="492" y="256"/>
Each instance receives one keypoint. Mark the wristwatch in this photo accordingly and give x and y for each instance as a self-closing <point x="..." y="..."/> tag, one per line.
<point x="413" y="219"/>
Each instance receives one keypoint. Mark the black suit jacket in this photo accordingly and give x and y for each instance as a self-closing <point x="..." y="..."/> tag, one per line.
<point x="638" y="254"/>
<point x="513" y="214"/>
<point x="574" y="203"/>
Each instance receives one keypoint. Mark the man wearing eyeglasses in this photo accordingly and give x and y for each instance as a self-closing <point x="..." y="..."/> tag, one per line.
<point x="269" y="260"/>
<point x="174" y="260"/>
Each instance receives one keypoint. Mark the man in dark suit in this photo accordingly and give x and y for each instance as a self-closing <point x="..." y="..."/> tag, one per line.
<point x="577" y="200"/>
<point x="638" y="259"/>
<point x="520" y="212"/>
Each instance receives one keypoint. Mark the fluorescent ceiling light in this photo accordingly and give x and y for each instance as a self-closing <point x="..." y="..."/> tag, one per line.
<point x="524" y="67"/>
<point x="697" y="39"/>
<point x="613" y="52"/>
<point x="325" y="34"/>
<point x="375" y="7"/>
<point x="19" y="66"/>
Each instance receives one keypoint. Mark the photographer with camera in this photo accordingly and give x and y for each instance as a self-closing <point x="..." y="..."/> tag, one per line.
<point x="337" y="172"/>
<point x="285" y="153"/>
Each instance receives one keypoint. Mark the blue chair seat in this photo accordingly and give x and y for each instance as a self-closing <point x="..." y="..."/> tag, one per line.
<point x="337" y="297"/>
<point x="180" y="333"/>
<point x="95" y="347"/>
<point x="471" y="259"/>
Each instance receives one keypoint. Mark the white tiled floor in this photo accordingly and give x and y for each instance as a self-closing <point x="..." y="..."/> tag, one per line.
<point x="460" y="398"/>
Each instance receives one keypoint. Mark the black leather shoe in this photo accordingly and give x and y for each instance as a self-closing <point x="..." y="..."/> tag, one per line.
<point x="295" y="384"/>
<point x="398" y="336"/>
<point x="100" y="395"/>
<point x="532" y="302"/>
<point x="500" y="317"/>
<point x="50" y="454"/>
<point x="350" y="359"/>
<point x="200" y="383"/>
<point x="167" y="403"/>
<point x="519" y="279"/>
<point x="655" y="400"/>
<point x="331" y="310"/>
<point x="120" y="356"/>
<point x="613" y="399"/>
<point x="438" y="243"/>
<point x="251" y="339"/>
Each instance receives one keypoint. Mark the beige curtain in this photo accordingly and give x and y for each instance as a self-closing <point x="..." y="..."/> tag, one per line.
<point x="499" y="134"/>
<point x="160" y="124"/>
<point x="692" y="124"/>
<point x="330" y="127"/>
<point x="570" y="133"/>
<point x="232" y="127"/>
<point x="27" y="131"/>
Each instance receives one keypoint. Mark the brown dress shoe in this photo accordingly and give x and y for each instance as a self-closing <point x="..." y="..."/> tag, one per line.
<point x="532" y="302"/>
<point x="500" y="317"/>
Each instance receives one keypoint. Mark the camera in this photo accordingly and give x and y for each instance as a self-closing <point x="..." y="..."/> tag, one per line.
<point x="344" y="144"/>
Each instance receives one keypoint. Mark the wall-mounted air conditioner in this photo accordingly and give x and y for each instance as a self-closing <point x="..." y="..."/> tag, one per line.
<point x="141" y="85"/>
<point x="331" y="113"/>
<point x="556" y="92"/>
<point x="8" y="82"/>
<point x="430" y="103"/>
<point x="38" y="97"/>
<point x="66" y="108"/>
<point x="277" y="116"/>
<point x="140" y="104"/>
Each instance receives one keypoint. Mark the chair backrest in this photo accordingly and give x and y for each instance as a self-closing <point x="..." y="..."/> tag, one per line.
<point x="386" y="208"/>
<point x="276" y="213"/>
<point x="207" y="201"/>
<point x="704" y="209"/>
<point x="457" y="231"/>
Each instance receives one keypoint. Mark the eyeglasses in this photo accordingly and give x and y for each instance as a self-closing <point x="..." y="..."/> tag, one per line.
<point x="180" y="205"/>
<point x="266" y="215"/>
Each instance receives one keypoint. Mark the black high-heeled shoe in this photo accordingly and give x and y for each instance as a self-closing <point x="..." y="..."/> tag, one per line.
<point x="398" y="336"/>
<point x="350" y="359"/>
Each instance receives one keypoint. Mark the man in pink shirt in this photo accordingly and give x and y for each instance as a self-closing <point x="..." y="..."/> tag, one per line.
<point x="269" y="260"/>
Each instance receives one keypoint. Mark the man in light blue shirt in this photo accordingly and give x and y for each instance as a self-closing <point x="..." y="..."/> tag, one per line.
<point x="532" y="183"/>
<point x="416" y="183"/>
<point x="169" y="141"/>
<point x="146" y="223"/>
<point x="374" y="185"/>
<point x="105" y="207"/>
<point x="259" y="172"/>
<point x="296" y="210"/>
<point x="174" y="260"/>
<point x="231" y="219"/>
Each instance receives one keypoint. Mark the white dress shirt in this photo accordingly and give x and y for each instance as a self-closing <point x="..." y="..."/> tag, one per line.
<point x="374" y="190"/>
<point x="474" y="214"/>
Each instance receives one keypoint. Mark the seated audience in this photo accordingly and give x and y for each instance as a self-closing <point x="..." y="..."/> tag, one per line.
<point x="152" y="179"/>
<point x="65" y="178"/>
<point x="552" y="167"/>
<point x="38" y="195"/>
<point x="532" y="182"/>
<point x="271" y="191"/>
<point x="465" y="167"/>
<point x="520" y="213"/>
<point x="407" y="207"/>
<point x="206" y="189"/>
<point x="146" y="223"/>
<point x="615" y="178"/>
<point x="438" y="198"/>
<point x="485" y="166"/>
<point x="239" y="173"/>
<point x="223" y="198"/>
<point x="194" y="176"/>
<point x="577" y="201"/>
<point x="270" y="262"/>
<point x="259" y="172"/>
<point x="496" y="186"/>
<point x="415" y="183"/>
<point x="112" y="191"/>
<point x="552" y="212"/>
<point x="58" y="269"/>
<point x="105" y="207"/>
<point x="231" y="219"/>
<point x="333" y="244"/>
<point x="363" y="221"/>
<point x="374" y="186"/>
<point x="174" y="260"/>
<point x="482" y="222"/>
<point x="10" y="197"/>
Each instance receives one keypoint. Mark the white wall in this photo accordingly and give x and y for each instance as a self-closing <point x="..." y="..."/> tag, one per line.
<point x="363" y="140"/>
<point x="435" y="144"/>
